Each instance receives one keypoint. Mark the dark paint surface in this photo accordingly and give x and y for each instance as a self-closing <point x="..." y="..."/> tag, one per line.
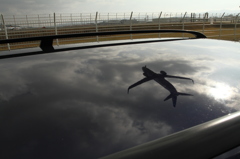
<point x="75" y="104"/>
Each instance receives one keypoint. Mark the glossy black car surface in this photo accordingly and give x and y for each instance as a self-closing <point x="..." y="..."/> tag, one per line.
<point x="74" y="104"/>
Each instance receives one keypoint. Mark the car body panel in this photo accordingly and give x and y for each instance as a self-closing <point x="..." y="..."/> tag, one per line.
<point x="73" y="104"/>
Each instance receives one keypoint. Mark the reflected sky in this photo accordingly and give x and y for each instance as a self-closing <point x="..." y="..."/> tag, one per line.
<point x="75" y="104"/>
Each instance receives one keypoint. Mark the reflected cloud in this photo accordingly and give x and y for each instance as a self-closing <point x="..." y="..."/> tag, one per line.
<point x="221" y="91"/>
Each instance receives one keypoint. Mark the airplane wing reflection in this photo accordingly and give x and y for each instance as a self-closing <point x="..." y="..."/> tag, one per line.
<point x="169" y="76"/>
<point x="139" y="82"/>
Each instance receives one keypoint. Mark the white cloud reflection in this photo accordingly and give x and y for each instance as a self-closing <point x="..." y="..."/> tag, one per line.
<point x="222" y="91"/>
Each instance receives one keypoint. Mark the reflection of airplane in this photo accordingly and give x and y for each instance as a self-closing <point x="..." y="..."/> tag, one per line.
<point x="160" y="78"/>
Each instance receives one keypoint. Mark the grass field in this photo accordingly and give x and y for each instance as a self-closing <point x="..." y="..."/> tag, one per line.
<point x="228" y="32"/>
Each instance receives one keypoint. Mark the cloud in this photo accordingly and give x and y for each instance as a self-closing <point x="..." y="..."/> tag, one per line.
<point x="23" y="7"/>
<point x="29" y="7"/>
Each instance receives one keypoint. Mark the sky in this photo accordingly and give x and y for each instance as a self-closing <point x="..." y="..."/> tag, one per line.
<point x="26" y="7"/>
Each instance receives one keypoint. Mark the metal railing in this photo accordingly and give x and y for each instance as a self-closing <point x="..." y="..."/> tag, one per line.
<point x="216" y="26"/>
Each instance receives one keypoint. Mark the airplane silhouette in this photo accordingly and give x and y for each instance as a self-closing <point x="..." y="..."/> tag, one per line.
<point x="160" y="78"/>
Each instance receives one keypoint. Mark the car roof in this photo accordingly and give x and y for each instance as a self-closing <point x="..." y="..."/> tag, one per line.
<point x="74" y="103"/>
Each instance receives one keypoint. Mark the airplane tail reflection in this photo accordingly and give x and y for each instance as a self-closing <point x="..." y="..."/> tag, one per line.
<point x="160" y="78"/>
<point x="174" y="97"/>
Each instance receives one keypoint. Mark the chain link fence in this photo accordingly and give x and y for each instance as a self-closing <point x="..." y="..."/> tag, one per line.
<point x="215" y="26"/>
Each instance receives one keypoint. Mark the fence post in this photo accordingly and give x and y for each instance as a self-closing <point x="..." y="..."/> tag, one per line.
<point x="2" y="26"/>
<point x="131" y="23"/>
<point x="50" y="20"/>
<point x="170" y="17"/>
<point x="38" y="21"/>
<point x="55" y="26"/>
<point x="220" y="31"/>
<point x="14" y="21"/>
<point x="71" y="19"/>
<point x="203" y="29"/>
<point x="6" y="33"/>
<point x="235" y="27"/>
<point x="61" y="19"/>
<point x="183" y="22"/>
<point x="27" y="21"/>
<point x="159" y="24"/>
<point x="81" y="19"/>
<point x="90" y="18"/>
<point x="96" y="25"/>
